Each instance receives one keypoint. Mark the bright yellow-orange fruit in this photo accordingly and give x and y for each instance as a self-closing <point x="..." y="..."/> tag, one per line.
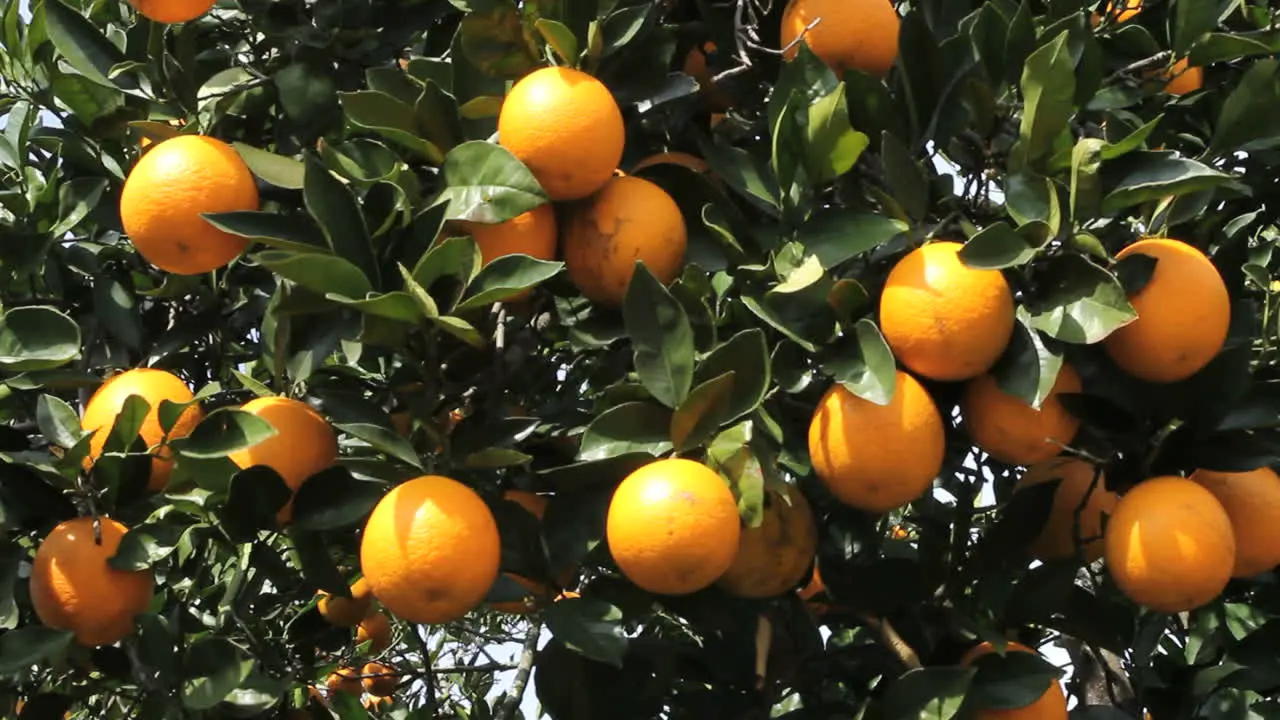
<point x="849" y="34"/>
<point x="1012" y="431"/>
<point x="773" y="557"/>
<point x="630" y="219"/>
<point x="73" y="588"/>
<point x="170" y="187"/>
<point x="376" y="704"/>
<point x="566" y="127"/>
<point x="532" y="233"/>
<point x="375" y="629"/>
<point x="304" y="443"/>
<point x="1183" y="315"/>
<point x="379" y="680"/>
<point x="877" y="457"/>
<point x="1169" y="545"/>
<point x="1052" y="705"/>
<point x="1128" y="10"/>
<point x="696" y="66"/>
<point x="943" y="319"/>
<point x="171" y="12"/>
<point x="1058" y="538"/>
<point x="673" y="526"/>
<point x="1183" y="79"/>
<point x="1252" y="501"/>
<point x="344" y="680"/>
<point x="430" y="550"/>
<point x="346" y="611"/>
<point x="153" y="386"/>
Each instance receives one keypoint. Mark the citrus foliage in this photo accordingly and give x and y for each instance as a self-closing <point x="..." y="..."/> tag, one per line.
<point x="419" y="284"/>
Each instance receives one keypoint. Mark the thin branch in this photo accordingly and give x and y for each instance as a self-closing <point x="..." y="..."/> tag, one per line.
<point x="892" y="640"/>
<point x="464" y="669"/>
<point x="527" y="653"/>
<point x="1159" y="58"/>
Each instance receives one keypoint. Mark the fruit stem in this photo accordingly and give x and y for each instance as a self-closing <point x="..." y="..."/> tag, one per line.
<point x="892" y="640"/>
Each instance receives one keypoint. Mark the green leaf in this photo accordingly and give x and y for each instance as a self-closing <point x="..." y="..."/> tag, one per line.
<point x="560" y="38"/>
<point x="1086" y="183"/>
<point x="485" y="183"/>
<point x="1013" y="681"/>
<point x="222" y="432"/>
<point x="76" y="199"/>
<point x="317" y="564"/>
<point x="730" y="454"/>
<point x="1242" y="120"/>
<point x="661" y="338"/>
<point x="1048" y="89"/>
<point x="460" y="329"/>
<point x="145" y="545"/>
<point x="83" y="45"/>
<point x="1142" y="176"/>
<point x="622" y="26"/>
<point x="833" y="145"/>
<point x="506" y="277"/>
<point x="744" y="173"/>
<point x="30" y="645"/>
<point x="995" y="247"/>
<point x="338" y="214"/>
<point x="746" y="355"/>
<point x="333" y="499"/>
<point x="493" y="40"/>
<point x="325" y="274"/>
<point x="931" y="693"/>
<point x="257" y="493"/>
<point x="1030" y="197"/>
<point x="907" y="181"/>
<point x="863" y="364"/>
<point x="1028" y="368"/>
<point x="457" y="260"/>
<point x="211" y="669"/>
<point x="307" y="93"/>
<point x="1132" y="141"/>
<point x="436" y="113"/>
<point x="1081" y="302"/>
<point x="494" y="458"/>
<point x="35" y="337"/>
<point x="479" y="108"/>
<point x="397" y="305"/>
<point x="293" y="233"/>
<point x="627" y="428"/>
<point x="1191" y="20"/>
<point x="11" y="558"/>
<point x="835" y="235"/>
<point x="592" y="627"/>
<point x="59" y="422"/>
<point x="390" y="118"/>
<point x="281" y="171"/>
<point x="702" y="413"/>
<point x="116" y="308"/>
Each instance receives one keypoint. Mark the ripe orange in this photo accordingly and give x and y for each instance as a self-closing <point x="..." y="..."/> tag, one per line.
<point x="1012" y="431"/>
<point x="1183" y="79"/>
<point x="673" y="526"/>
<point x="773" y="557"/>
<point x="1052" y="705"/>
<point x="630" y="219"/>
<point x="696" y="67"/>
<point x="537" y="505"/>
<point x="532" y="233"/>
<point x="1058" y="538"/>
<point x="533" y="502"/>
<point x="377" y="704"/>
<point x="154" y="386"/>
<point x="813" y="589"/>
<point x="683" y="159"/>
<point x="1126" y="12"/>
<point x="1183" y="315"/>
<point x="1169" y="545"/>
<point x="379" y="680"/>
<point x="172" y="11"/>
<point x="304" y="443"/>
<point x="346" y="611"/>
<point x="861" y="34"/>
<point x="430" y="550"/>
<point x="167" y="191"/>
<point x="877" y="457"/>
<point x="943" y="319"/>
<point x="73" y="588"/>
<point x="566" y="127"/>
<point x="1252" y="502"/>
<point x="376" y="630"/>
<point x="344" y="680"/>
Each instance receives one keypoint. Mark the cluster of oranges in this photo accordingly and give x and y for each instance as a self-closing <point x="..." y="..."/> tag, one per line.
<point x="377" y="680"/>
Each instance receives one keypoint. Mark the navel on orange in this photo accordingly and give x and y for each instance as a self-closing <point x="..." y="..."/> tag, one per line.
<point x="566" y="127"/>
<point x="774" y="556"/>
<point x="848" y="34"/>
<point x="1169" y="545"/>
<point x="154" y="386"/>
<point x="877" y="457"/>
<point x="630" y="219"/>
<point x="673" y="526"/>
<point x="1252" y="502"/>
<point x="1012" y="431"/>
<point x="73" y="588"/>
<point x="430" y="550"/>
<point x="170" y="187"/>
<point x="943" y="319"/>
<point x="1058" y="538"/>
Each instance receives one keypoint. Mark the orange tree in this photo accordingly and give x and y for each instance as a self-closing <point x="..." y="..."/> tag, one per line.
<point x="630" y="359"/>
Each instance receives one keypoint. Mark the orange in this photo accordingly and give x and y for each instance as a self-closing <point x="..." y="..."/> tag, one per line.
<point x="1012" y="431"/>
<point x="696" y="67"/>
<point x="630" y="219"/>
<point x="430" y="550"/>
<point x="943" y="319"/>
<point x="1052" y="705"/>
<point x="344" y="680"/>
<point x="167" y="191"/>
<point x="673" y="526"/>
<point x="1124" y="13"/>
<point x="154" y="386"/>
<point x="1183" y="79"/>
<point x="877" y="457"/>
<point x="813" y="589"/>
<point x="537" y="505"/>
<point x="566" y="127"/>
<point x="304" y="443"/>
<point x="346" y="611"/>
<point x="1183" y="315"/>
<point x="532" y="233"/>
<point x="534" y="503"/>
<point x="376" y="630"/>
<point x="1058" y="538"/>
<point x="172" y="11"/>
<point x="683" y="159"/>
<point x="377" y="704"/>
<point x="73" y="588"/>
<point x="774" y="556"/>
<point x="1169" y="545"/>
<point x="897" y="532"/>
<point x="852" y="34"/>
<point x="379" y="680"/>
<point x="1252" y="502"/>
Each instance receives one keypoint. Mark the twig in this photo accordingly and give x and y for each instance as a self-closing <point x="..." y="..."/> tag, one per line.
<point x="527" y="653"/>
<point x="463" y="669"/>
<point x="428" y="673"/>
<point x="892" y="640"/>
<point x="1158" y="59"/>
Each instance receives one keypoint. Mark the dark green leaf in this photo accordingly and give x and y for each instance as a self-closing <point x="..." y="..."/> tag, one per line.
<point x="1028" y="368"/>
<point x="702" y="413"/>
<point x="494" y="41"/>
<point x="906" y="179"/>
<point x="1030" y="197"/>
<point x="560" y="38"/>
<point x="281" y="171"/>
<point x="333" y="499"/>
<point x="839" y="234"/>
<point x="1080" y="302"/>
<point x="447" y="269"/>
<point x="995" y="247"/>
<point x="661" y="338"/>
<point x="506" y="277"/>
<point x="83" y="45"/>
<point x="324" y="274"/>
<point x="58" y="421"/>
<point x="222" y="432"/>
<point x="1013" y="681"/>
<point x="485" y="183"/>
<point x="1142" y="176"/>
<point x="76" y="199"/>
<point x="145" y="545"/>
<point x="317" y="565"/>
<point x="211" y="669"/>
<point x="1243" y="118"/>
<point x="37" y="338"/>
<point x="744" y="173"/>
<point x="932" y="693"/>
<point x="863" y="363"/>
<point x="27" y="646"/>
<point x="257" y="494"/>
<point x="622" y="26"/>
<point x="627" y="428"/>
<point x="746" y="355"/>
<point x="592" y="627"/>
<point x="338" y="214"/>
<point x="1191" y="20"/>
<point x="296" y="233"/>
<point x="389" y="118"/>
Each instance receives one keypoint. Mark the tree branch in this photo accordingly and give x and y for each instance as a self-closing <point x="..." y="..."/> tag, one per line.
<point x="527" y="653"/>
<point x="892" y="640"/>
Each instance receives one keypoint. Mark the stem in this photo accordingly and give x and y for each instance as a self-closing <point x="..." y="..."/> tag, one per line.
<point x="527" y="653"/>
<point x="892" y="640"/>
